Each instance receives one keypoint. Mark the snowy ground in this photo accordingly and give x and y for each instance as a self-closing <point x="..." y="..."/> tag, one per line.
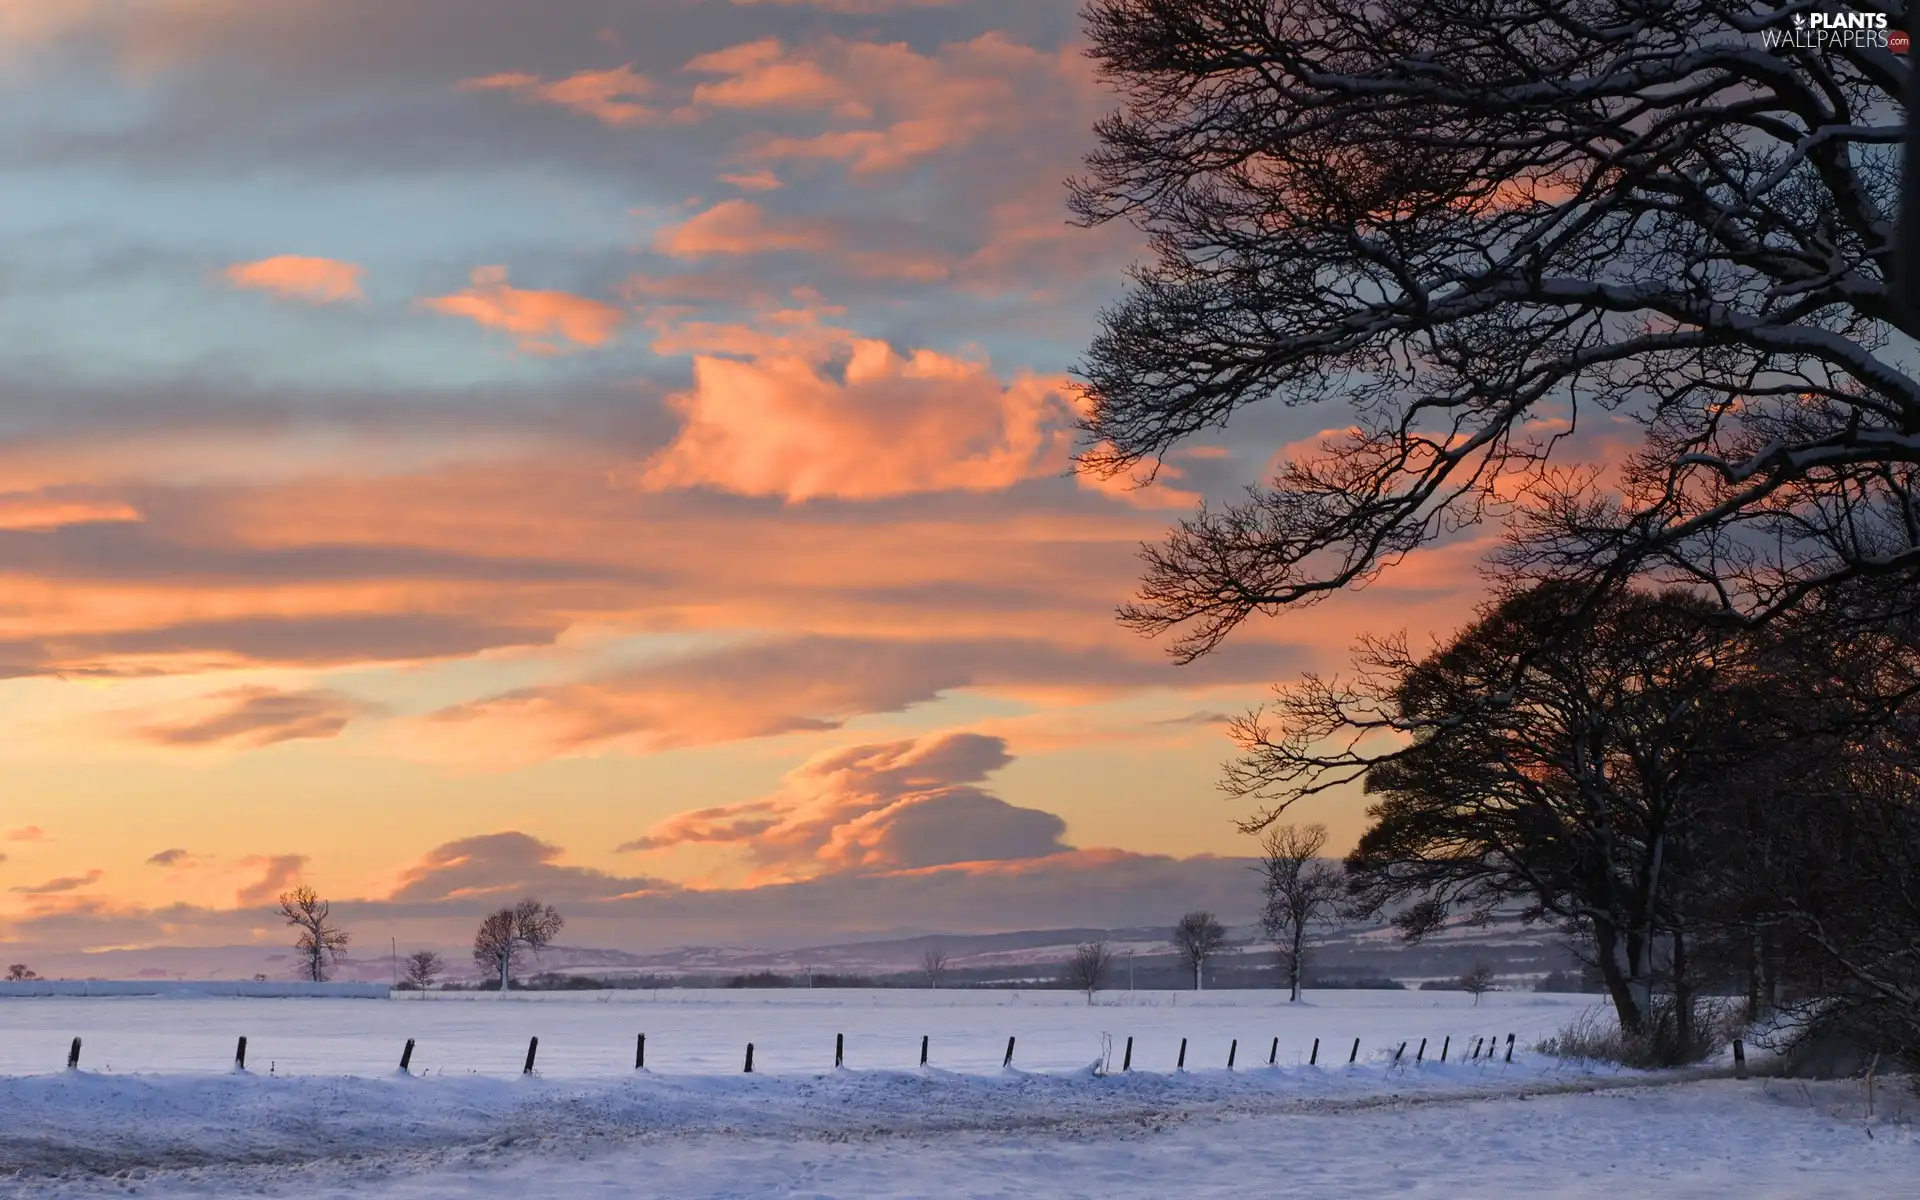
<point x="165" y="1122"/>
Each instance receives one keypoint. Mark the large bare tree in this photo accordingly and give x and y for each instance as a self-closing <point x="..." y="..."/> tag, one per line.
<point x="503" y="936"/>
<point x="1303" y="892"/>
<point x="1486" y="229"/>
<point x="320" y="942"/>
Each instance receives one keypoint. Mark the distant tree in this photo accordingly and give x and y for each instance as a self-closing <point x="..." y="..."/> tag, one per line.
<point x="422" y="967"/>
<point x="1199" y="936"/>
<point x="1087" y="970"/>
<point x="933" y="964"/>
<point x="321" y="943"/>
<point x="504" y="935"/>
<point x="1302" y="892"/>
<point x="19" y="973"/>
<point x="1477" y="979"/>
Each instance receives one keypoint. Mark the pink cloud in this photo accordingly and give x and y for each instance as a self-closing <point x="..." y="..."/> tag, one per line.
<point x="891" y="106"/>
<point x="298" y="277"/>
<point x="278" y="872"/>
<point x="255" y="717"/>
<point x="544" y="322"/>
<point x="737" y="227"/>
<point x="799" y="410"/>
<point x="886" y="807"/>
<point x="612" y="97"/>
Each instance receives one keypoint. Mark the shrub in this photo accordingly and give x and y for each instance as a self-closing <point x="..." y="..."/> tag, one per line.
<point x="1594" y="1036"/>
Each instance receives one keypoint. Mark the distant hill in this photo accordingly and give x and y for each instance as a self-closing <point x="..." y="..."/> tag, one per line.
<point x="1517" y="953"/>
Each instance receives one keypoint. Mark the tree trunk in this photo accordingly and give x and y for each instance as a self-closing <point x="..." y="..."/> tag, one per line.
<point x="1198" y="985"/>
<point x="1628" y="1006"/>
<point x="1682" y="996"/>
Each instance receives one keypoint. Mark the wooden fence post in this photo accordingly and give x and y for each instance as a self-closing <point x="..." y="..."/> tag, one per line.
<point x="1355" y="1055"/>
<point x="1509" y="1049"/>
<point x="73" y="1056"/>
<point x="1233" y="1051"/>
<point x="406" y="1056"/>
<point x="1126" y="1064"/>
<point x="240" y="1054"/>
<point x="533" y="1047"/>
<point x="923" y="1049"/>
<point x="1313" y="1060"/>
<point x="1444" y="1046"/>
<point x="640" y="1053"/>
<point x="1008" y="1060"/>
<point x="839" y="1049"/>
<point x="1182" y="1064"/>
<point x="749" y="1067"/>
<point x="1739" y="1060"/>
<point x="1398" y="1053"/>
<point x="1420" y="1053"/>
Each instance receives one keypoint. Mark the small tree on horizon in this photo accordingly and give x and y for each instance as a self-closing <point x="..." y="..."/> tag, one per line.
<point x="1199" y="936"/>
<point x="933" y="964"/>
<point x="1302" y="892"/>
<point x="321" y="944"/>
<point x="1477" y="979"/>
<point x="503" y="935"/>
<point x="422" y="967"/>
<point x="1087" y="970"/>
<point x="20" y="973"/>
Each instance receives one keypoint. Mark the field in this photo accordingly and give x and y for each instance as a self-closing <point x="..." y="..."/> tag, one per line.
<point x="157" y="1110"/>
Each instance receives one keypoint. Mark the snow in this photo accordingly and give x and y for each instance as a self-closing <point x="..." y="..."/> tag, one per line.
<point x="334" y="1118"/>
<point x="282" y="989"/>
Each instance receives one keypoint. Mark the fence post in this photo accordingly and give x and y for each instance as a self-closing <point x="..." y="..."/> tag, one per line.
<point x="240" y="1054"/>
<point x="1739" y="1060"/>
<point x="749" y="1066"/>
<point x="1444" y="1046"/>
<point x="923" y="1049"/>
<point x="1355" y="1055"/>
<point x="640" y="1053"/>
<point x="533" y="1048"/>
<point x="1126" y="1064"/>
<point x="1420" y="1053"/>
<point x="1008" y="1060"/>
<point x="1509" y="1049"/>
<point x="1182" y="1064"/>
<point x="839" y="1048"/>
<point x="406" y="1056"/>
<point x="73" y="1056"/>
<point x="1233" y="1051"/>
<point x="1398" y="1053"/>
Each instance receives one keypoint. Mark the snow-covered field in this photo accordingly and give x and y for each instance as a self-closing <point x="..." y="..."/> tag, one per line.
<point x="156" y="1110"/>
<point x="584" y="1034"/>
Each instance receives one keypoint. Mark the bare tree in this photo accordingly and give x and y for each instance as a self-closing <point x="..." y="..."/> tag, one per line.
<point x="504" y="935"/>
<point x="933" y="964"/>
<point x="1303" y="893"/>
<point x="20" y="973"/>
<point x="1087" y="970"/>
<point x="1477" y="227"/>
<point x="1477" y="979"/>
<point x="422" y="968"/>
<point x="1198" y="937"/>
<point x="321" y="943"/>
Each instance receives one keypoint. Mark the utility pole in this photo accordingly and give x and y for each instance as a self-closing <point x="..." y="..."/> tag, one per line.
<point x="1129" y="968"/>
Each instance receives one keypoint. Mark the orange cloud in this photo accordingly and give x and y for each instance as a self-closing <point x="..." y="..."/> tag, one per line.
<point x="895" y="106"/>
<point x="278" y="872"/>
<point x="545" y="322"/>
<point x="611" y="97"/>
<point x="298" y="277"/>
<point x="735" y="227"/>
<point x="255" y="717"/>
<point x="40" y="510"/>
<point x="811" y="411"/>
<point x="887" y="807"/>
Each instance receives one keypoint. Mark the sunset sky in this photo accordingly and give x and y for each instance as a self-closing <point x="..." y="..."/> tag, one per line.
<point x="611" y="450"/>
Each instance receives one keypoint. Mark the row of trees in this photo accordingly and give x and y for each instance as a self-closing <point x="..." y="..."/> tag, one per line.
<point x="1683" y="725"/>
<point x="505" y="938"/>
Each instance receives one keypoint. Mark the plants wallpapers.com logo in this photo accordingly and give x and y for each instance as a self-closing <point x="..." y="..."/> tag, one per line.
<point x="1837" y="30"/>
